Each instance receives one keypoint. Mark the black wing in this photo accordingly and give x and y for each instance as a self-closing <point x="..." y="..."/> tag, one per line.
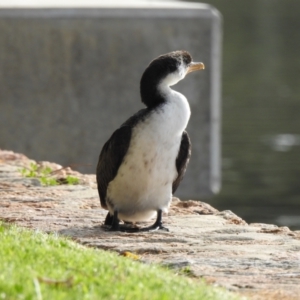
<point x="110" y="159"/>
<point x="182" y="159"/>
<point x="113" y="152"/>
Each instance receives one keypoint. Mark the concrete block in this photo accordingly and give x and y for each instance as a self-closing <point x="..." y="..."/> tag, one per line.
<point x="70" y="76"/>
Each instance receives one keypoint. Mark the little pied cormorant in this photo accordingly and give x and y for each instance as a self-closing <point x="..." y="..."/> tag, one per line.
<point x="143" y="162"/>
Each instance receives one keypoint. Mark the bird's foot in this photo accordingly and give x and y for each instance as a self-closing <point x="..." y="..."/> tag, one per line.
<point x="130" y="229"/>
<point x="112" y="223"/>
<point x="157" y="225"/>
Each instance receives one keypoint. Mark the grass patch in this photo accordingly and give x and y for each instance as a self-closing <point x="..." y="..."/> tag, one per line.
<point x="35" y="265"/>
<point x="45" y="175"/>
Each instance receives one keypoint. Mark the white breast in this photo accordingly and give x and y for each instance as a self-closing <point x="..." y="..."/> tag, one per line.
<point x="144" y="180"/>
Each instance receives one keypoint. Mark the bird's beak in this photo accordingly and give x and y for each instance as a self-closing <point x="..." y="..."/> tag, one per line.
<point x="195" y="66"/>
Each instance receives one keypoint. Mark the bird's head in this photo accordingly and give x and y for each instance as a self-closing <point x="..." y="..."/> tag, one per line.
<point x="167" y="70"/>
<point x="172" y="67"/>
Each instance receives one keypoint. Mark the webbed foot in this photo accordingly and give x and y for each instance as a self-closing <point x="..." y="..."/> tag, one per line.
<point x="157" y="225"/>
<point x="115" y="225"/>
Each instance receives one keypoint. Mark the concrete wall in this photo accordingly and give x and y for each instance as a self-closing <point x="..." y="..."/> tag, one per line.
<point x="70" y="76"/>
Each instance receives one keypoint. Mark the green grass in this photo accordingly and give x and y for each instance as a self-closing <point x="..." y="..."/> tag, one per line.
<point x="45" y="175"/>
<point x="34" y="265"/>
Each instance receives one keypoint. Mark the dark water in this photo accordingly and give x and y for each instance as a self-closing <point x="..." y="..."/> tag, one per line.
<point x="261" y="110"/>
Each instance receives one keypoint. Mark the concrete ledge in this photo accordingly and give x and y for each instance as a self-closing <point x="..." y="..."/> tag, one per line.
<point x="70" y="76"/>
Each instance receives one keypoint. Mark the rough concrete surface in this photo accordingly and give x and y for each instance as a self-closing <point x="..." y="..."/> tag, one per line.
<point x="261" y="261"/>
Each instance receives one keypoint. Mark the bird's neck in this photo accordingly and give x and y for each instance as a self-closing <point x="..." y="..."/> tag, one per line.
<point x="151" y="94"/>
<point x="175" y="110"/>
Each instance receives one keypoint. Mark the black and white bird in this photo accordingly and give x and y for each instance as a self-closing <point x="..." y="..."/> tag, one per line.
<point x="143" y="162"/>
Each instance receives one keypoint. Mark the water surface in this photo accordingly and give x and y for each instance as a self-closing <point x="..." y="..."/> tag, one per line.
<point x="261" y="110"/>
